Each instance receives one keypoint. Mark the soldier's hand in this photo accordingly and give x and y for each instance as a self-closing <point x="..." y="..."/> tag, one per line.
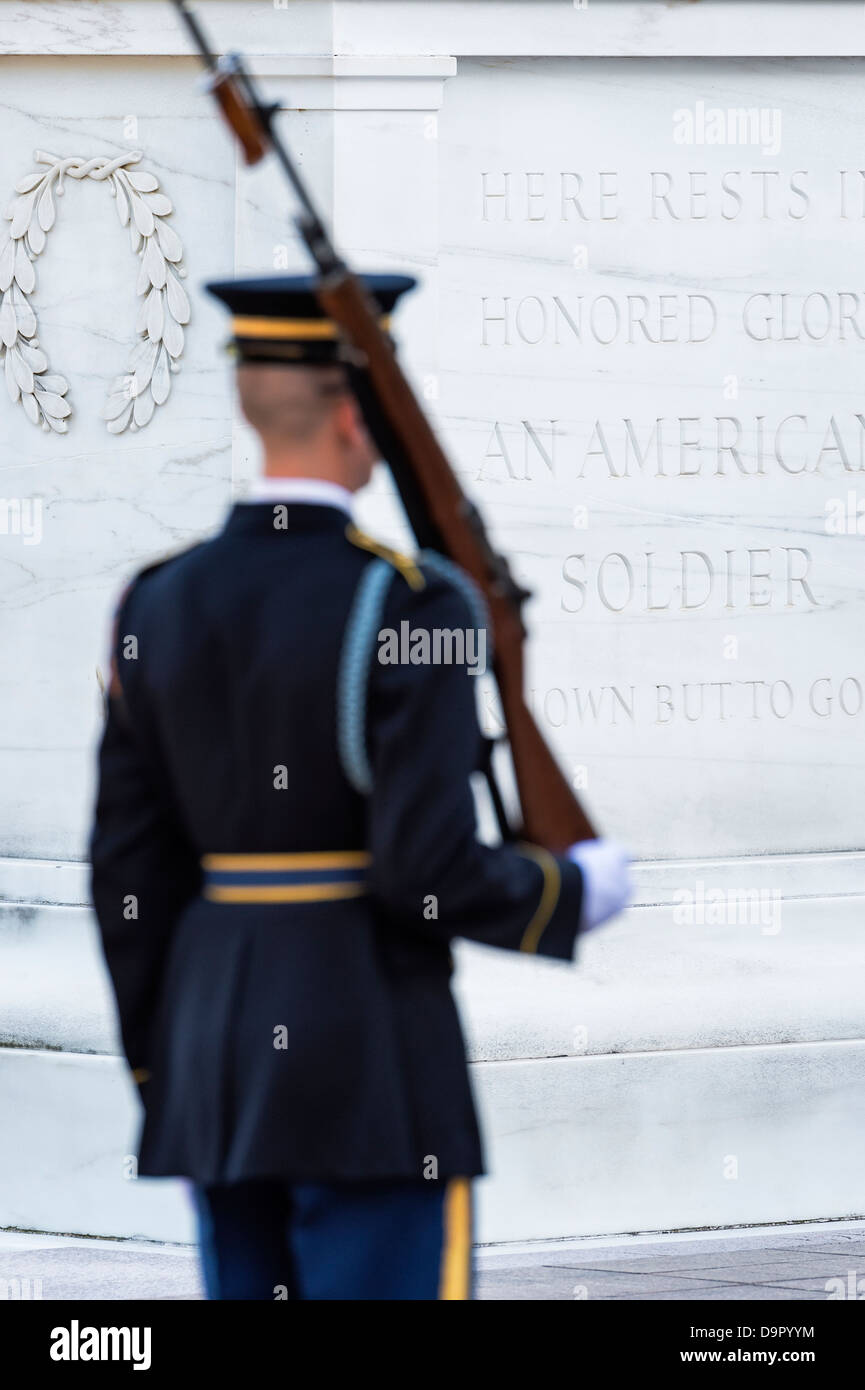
<point x="607" y="884"/>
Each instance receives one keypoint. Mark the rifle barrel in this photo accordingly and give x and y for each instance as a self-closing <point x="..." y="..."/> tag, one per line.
<point x="196" y="32"/>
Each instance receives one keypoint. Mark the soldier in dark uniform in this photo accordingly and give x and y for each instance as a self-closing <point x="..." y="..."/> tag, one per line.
<point x="284" y="849"/>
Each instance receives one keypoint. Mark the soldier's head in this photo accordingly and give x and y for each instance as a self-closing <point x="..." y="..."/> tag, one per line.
<point x="293" y="384"/>
<point x="308" y="420"/>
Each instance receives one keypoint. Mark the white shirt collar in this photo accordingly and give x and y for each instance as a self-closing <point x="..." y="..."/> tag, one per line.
<point x="317" y="491"/>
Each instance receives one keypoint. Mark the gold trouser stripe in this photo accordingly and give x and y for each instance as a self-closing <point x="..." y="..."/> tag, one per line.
<point x="404" y="563"/>
<point x="284" y="892"/>
<point x="255" y="863"/>
<point x="256" y="326"/>
<point x="549" y="895"/>
<point x="455" y="1273"/>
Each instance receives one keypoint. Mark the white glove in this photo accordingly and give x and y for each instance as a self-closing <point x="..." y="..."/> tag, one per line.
<point x="607" y="885"/>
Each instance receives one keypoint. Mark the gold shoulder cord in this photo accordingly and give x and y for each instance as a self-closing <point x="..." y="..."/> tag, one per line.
<point x="404" y="563"/>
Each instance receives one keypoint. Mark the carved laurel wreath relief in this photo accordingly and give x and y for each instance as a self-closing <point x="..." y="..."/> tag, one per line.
<point x="133" y="397"/>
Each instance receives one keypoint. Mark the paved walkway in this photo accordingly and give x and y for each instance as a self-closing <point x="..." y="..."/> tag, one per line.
<point x="772" y="1263"/>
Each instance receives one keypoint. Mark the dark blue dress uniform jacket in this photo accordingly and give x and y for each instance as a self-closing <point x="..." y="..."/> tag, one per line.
<point x="308" y="1041"/>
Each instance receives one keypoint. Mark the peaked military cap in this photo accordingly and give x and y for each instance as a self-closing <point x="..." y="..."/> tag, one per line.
<point x="279" y="319"/>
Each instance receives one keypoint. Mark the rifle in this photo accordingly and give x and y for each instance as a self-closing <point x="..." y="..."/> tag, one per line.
<point x="439" y="513"/>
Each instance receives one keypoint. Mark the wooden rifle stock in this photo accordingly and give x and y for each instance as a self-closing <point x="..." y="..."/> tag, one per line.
<point x="235" y="100"/>
<point x="238" y="116"/>
<point x="437" y="508"/>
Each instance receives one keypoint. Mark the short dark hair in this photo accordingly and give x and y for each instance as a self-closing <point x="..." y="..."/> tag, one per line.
<point x="289" y="402"/>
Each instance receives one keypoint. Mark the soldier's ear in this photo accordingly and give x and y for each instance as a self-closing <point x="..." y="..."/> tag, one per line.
<point x="349" y="422"/>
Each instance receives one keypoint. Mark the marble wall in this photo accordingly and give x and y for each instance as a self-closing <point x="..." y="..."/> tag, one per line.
<point x="652" y="358"/>
<point x="644" y="355"/>
<point x="105" y="501"/>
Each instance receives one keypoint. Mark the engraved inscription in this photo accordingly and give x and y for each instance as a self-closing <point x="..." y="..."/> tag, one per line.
<point x="653" y="316"/>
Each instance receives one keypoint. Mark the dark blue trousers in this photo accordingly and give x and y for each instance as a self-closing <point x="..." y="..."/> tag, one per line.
<point x="267" y="1239"/>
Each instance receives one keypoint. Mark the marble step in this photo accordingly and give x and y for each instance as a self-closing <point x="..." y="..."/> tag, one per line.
<point x="662" y="1141"/>
<point x="646" y="983"/>
<point x="687" y="1073"/>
